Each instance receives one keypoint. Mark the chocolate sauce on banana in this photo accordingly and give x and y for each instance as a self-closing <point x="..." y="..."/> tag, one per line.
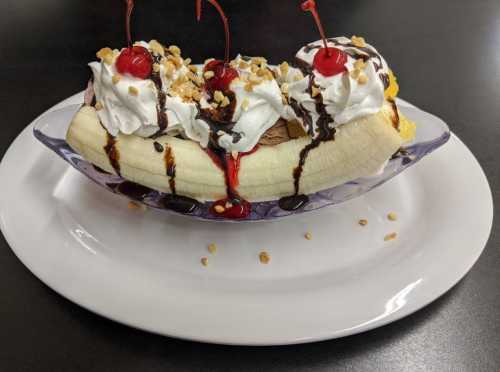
<point x="395" y="117"/>
<point x="112" y="153"/>
<point x="170" y="167"/>
<point x="325" y="132"/>
<point x="162" y="100"/>
<point x="174" y="202"/>
<point x="221" y="120"/>
<point x="158" y="147"/>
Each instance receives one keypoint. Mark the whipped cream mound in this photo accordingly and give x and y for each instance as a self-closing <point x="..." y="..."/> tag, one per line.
<point x="173" y="99"/>
<point x="346" y="96"/>
<point x="131" y="105"/>
<point x="258" y="105"/>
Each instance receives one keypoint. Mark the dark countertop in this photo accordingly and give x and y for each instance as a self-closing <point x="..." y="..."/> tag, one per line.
<point x="447" y="57"/>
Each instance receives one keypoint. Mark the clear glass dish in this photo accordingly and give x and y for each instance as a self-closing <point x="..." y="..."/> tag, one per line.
<point x="432" y="133"/>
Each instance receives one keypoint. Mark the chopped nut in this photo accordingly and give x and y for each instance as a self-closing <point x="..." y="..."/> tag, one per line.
<point x="218" y="96"/>
<point x="169" y="69"/>
<point x="175" y="50"/>
<point x="204" y="261"/>
<point x="212" y="248"/>
<point x="133" y="91"/>
<point x="355" y="73"/>
<point x="225" y="102"/>
<point x="269" y="75"/>
<point x="245" y="104"/>
<point x="362" y="79"/>
<point x="156" y="67"/>
<point x="358" y="41"/>
<point x="243" y="65"/>
<point x="284" y="68"/>
<point x="363" y="222"/>
<point x="208" y="74"/>
<point x="116" y="78"/>
<point x="299" y="76"/>
<point x="193" y="68"/>
<point x="156" y="47"/>
<point x="284" y="88"/>
<point x="390" y="236"/>
<point x="228" y="205"/>
<point x="98" y="106"/>
<point x="207" y="61"/>
<point x="187" y="61"/>
<point x="359" y="64"/>
<point x="214" y="105"/>
<point x="219" y="209"/>
<point x="259" y="61"/>
<point x="314" y="91"/>
<point x="196" y="95"/>
<point x="254" y="79"/>
<point x="264" y="257"/>
<point x="308" y="236"/>
<point x="102" y="53"/>
<point x="262" y="72"/>
<point x="249" y="87"/>
<point x="392" y="216"/>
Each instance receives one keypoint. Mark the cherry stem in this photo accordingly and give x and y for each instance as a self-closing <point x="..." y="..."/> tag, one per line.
<point x="128" y="14"/>
<point x="224" y="20"/>
<point x="312" y="8"/>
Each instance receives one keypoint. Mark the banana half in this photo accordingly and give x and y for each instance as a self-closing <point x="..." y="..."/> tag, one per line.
<point x="172" y="165"/>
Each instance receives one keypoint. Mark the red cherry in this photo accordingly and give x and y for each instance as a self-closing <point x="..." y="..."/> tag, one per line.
<point x="330" y="62"/>
<point x="223" y="76"/>
<point x="136" y="61"/>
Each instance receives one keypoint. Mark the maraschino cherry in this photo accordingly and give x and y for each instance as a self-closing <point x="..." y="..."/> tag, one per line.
<point x="328" y="61"/>
<point x="223" y="73"/>
<point x="133" y="60"/>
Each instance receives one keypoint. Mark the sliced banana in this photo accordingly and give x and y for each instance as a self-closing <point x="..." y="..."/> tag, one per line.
<point x="360" y="148"/>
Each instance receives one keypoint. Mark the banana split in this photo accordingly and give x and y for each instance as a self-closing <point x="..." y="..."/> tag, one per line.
<point x="238" y="131"/>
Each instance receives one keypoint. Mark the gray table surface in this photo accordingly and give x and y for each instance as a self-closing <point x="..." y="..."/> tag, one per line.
<point x="446" y="54"/>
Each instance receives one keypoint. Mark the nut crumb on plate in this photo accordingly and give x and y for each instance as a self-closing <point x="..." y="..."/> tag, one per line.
<point x="204" y="261"/>
<point x="392" y="216"/>
<point x="264" y="257"/>
<point x="212" y="248"/>
<point x="390" y="236"/>
<point x="308" y="236"/>
<point x="363" y="222"/>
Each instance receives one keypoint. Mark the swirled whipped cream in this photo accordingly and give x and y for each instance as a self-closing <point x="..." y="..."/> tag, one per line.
<point x="254" y="103"/>
<point x="131" y="105"/>
<point x="357" y="92"/>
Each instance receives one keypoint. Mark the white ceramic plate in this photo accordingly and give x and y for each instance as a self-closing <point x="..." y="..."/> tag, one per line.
<point x="142" y="268"/>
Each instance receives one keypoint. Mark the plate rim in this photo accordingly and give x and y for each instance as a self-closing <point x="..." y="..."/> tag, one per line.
<point x="217" y="340"/>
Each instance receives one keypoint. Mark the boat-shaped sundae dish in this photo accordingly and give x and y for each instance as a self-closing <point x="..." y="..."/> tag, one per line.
<point x="235" y="139"/>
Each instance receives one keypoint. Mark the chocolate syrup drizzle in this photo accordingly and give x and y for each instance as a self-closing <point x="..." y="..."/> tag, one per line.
<point x="222" y="120"/>
<point x="113" y="154"/>
<point x="395" y="119"/>
<point x="162" y="100"/>
<point x="158" y="147"/>
<point x="177" y="203"/>
<point x="324" y="133"/>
